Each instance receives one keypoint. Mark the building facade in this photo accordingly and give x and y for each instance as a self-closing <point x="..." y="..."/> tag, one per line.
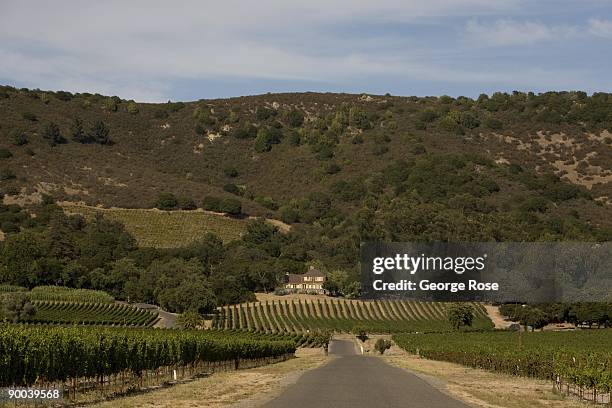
<point x="311" y="281"/>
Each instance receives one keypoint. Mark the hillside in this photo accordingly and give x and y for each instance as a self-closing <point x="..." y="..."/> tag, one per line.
<point x="276" y="148"/>
<point x="337" y="169"/>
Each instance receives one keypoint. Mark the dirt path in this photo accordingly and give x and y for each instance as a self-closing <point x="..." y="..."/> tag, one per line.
<point x="496" y="317"/>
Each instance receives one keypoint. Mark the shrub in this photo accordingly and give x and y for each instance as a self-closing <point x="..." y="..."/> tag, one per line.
<point x="13" y="191"/>
<point x="100" y="134"/>
<point x="29" y="116"/>
<point x="267" y="202"/>
<point x="132" y="108"/>
<point x="203" y="115"/>
<point x="63" y="96"/>
<point x="230" y="206"/>
<point x="295" y="118"/>
<point x="78" y="133"/>
<point x="247" y="131"/>
<point x="379" y="150"/>
<point x="186" y="203"/>
<point x="535" y="204"/>
<point x="460" y="315"/>
<point x="357" y="139"/>
<point x="17" y="307"/>
<point x="289" y="214"/>
<point x="230" y="172"/>
<point x="8" y="227"/>
<point x="451" y="122"/>
<point x="51" y="132"/>
<point x="294" y="138"/>
<point x="211" y="203"/>
<point x="233" y="189"/>
<point x="189" y="320"/>
<point x="358" y="118"/>
<point x="382" y="345"/>
<point x="264" y="113"/>
<point x="324" y="152"/>
<point x="361" y="333"/>
<point x="160" y="114"/>
<point x="175" y="106"/>
<point x="428" y="115"/>
<point x="6" y="174"/>
<point x="493" y="123"/>
<point x="18" y="138"/>
<point x="199" y="129"/>
<point x="419" y="149"/>
<point x="166" y="201"/>
<point x="262" y="142"/>
<point x="332" y="168"/>
<point x="110" y="105"/>
<point x="5" y="153"/>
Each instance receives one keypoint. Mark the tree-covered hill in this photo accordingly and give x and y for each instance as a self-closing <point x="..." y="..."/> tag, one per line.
<point x="341" y="169"/>
<point x="273" y="148"/>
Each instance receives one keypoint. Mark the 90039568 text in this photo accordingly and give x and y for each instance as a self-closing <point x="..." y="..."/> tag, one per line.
<point x="39" y="394"/>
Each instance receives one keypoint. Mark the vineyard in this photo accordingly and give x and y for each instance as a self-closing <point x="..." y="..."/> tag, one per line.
<point x="88" y="313"/>
<point x="166" y="229"/>
<point x="59" y="293"/>
<point x="295" y="316"/>
<point x="117" y="360"/>
<point x="60" y="305"/>
<point x="580" y="358"/>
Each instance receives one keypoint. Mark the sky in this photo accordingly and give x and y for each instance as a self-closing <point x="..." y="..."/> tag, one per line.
<point x="155" y="51"/>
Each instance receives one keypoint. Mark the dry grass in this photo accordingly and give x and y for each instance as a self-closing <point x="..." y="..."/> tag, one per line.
<point x="481" y="388"/>
<point x="237" y="388"/>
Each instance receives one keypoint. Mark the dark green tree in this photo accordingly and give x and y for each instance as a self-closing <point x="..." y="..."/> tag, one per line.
<point x="17" y="307"/>
<point x="166" y="201"/>
<point x="100" y="133"/>
<point x="51" y="133"/>
<point x="460" y="315"/>
<point x="78" y="133"/>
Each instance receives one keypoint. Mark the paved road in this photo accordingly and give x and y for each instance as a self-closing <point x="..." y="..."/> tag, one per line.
<point x="167" y="320"/>
<point x="355" y="381"/>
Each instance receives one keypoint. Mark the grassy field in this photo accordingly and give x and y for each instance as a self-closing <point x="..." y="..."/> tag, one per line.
<point x="166" y="229"/>
<point x="339" y="315"/>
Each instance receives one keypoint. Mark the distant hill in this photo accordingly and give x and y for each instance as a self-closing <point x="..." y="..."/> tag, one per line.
<point x="297" y="156"/>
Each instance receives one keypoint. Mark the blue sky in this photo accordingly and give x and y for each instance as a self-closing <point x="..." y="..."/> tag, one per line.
<point x="159" y="50"/>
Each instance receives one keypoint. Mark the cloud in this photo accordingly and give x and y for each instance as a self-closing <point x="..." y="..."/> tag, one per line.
<point x="115" y="46"/>
<point x="601" y="28"/>
<point x="506" y="32"/>
<point x="143" y="49"/>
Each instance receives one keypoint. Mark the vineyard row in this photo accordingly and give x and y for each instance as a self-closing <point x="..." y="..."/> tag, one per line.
<point x="280" y="316"/>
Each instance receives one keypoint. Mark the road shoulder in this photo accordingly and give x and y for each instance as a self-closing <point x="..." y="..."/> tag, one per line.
<point x="480" y="388"/>
<point x="237" y="389"/>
